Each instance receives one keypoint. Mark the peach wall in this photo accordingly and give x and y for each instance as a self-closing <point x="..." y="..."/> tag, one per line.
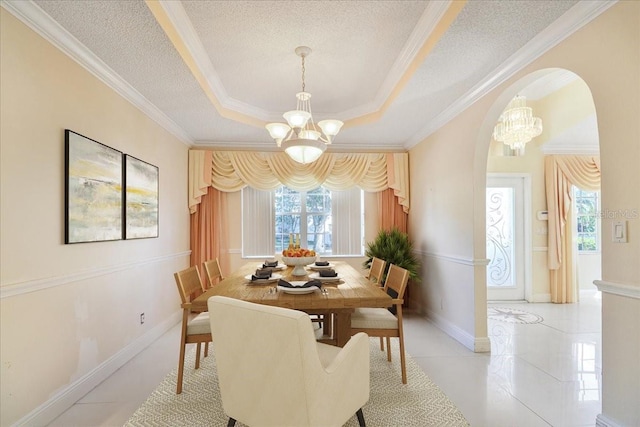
<point x="449" y="217"/>
<point x="67" y="311"/>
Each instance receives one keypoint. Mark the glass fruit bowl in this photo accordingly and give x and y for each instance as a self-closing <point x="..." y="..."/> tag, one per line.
<point x="299" y="263"/>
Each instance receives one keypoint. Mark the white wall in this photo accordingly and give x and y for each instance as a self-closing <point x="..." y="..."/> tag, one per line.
<point x="70" y="313"/>
<point x="589" y="269"/>
<point x="447" y="219"/>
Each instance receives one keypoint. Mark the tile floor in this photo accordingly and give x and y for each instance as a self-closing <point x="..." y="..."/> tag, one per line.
<point x="542" y="374"/>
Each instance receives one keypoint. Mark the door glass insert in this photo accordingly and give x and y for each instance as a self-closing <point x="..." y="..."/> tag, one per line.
<point x="500" y="236"/>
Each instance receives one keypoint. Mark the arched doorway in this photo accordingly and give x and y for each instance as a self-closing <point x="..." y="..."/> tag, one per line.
<point x="564" y="102"/>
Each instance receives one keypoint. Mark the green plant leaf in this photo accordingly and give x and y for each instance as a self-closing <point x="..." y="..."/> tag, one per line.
<point x="394" y="247"/>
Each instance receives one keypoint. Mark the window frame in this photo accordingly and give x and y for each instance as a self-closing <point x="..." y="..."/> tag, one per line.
<point x="580" y="194"/>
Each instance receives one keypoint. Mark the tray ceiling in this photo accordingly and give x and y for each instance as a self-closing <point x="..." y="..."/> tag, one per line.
<point x="213" y="72"/>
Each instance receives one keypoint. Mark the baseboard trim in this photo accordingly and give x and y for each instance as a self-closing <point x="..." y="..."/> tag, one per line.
<point x="465" y="338"/>
<point x="12" y="290"/>
<point x="604" y="421"/>
<point x="621" y="289"/>
<point x="541" y="298"/>
<point x="65" y="398"/>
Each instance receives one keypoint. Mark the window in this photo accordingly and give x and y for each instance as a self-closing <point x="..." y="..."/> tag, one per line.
<point x="329" y="222"/>
<point x="307" y="213"/>
<point x="587" y="224"/>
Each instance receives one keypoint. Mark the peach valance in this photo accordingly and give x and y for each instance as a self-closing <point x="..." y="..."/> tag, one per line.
<point x="230" y="171"/>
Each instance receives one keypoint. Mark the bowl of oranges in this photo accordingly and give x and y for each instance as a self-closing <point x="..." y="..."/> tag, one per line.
<point x="298" y="258"/>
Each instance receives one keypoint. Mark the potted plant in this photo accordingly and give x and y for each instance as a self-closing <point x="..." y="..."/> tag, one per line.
<point x="395" y="248"/>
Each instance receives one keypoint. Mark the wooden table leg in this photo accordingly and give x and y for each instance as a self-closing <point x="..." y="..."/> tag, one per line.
<point x="342" y="328"/>
<point x="327" y="324"/>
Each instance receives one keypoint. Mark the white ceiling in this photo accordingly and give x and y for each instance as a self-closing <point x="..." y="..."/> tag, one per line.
<point x="383" y="67"/>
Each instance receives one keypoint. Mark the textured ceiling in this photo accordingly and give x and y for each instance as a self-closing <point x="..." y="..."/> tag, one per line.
<point x="214" y="71"/>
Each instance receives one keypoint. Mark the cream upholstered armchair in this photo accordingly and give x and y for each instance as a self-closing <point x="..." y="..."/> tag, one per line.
<point x="272" y="372"/>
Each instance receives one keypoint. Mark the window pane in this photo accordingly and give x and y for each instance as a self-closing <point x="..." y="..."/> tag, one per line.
<point x="586" y="203"/>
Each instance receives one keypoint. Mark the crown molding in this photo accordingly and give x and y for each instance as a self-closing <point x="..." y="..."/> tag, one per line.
<point x="182" y="24"/>
<point x="571" y="149"/>
<point x="39" y="21"/>
<point x="271" y="147"/>
<point x="419" y="36"/>
<point x="570" y="22"/>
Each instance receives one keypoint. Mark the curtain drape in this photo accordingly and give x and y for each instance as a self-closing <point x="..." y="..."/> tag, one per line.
<point x="561" y="172"/>
<point x="208" y="234"/>
<point x="390" y="212"/>
<point x="214" y="173"/>
<point x="233" y="170"/>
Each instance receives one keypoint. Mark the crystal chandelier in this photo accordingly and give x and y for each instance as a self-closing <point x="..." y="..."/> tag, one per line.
<point x="300" y="137"/>
<point x="516" y="125"/>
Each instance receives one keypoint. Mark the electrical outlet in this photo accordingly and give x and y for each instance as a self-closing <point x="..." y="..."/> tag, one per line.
<point x="141" y="318"/>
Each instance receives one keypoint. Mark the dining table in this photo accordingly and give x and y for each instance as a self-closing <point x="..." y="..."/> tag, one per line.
<point x="335" y="301"/>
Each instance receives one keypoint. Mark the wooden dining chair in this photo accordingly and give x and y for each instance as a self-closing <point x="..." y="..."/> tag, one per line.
<point x="196" y="330"/>
<point x="377" y="270"/>
<point x="375" y="275"/>
<point x="214" y="273"/>
<point x="380" y="322"/>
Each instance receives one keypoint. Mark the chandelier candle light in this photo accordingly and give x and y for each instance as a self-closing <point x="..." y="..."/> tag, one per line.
<point x="300" y="137"/>
<point x="516" y="125"/>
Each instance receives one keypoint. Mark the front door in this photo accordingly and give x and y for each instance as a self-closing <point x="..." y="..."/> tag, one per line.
<point x="505" y="238"/>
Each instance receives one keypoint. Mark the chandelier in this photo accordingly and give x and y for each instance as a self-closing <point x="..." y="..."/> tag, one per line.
<point x="516" y="125"/>
<point x="300" y="137"/>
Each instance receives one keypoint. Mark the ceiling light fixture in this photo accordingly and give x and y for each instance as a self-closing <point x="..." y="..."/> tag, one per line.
<point x="300" y="138"/>
<point x="516" y="125"/>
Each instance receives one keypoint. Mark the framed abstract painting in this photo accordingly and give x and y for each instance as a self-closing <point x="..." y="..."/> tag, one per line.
<point x="141" y="199"/>
<point x="93" y="190"/>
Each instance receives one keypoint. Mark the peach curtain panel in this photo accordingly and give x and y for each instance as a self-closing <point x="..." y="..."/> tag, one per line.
<point x="390" y="213"/>
<point x="208" y="234"/>
<point x="561" y="172"/>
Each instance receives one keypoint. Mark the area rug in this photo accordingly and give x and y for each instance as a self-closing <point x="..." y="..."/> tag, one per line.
<point x="419" y="403"/>
<point x="511" y="315"/>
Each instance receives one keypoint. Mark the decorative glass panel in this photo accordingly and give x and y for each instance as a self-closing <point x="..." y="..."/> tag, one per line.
<point x="500" y="233"/>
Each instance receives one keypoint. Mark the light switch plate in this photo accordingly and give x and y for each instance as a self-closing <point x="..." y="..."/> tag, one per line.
<point x="619" y="231"/>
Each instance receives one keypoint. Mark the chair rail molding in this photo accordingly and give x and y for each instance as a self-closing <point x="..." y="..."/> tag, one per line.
<point x="454" y="258"/>
<point x="621" y="289"/>
<point x="15" y="289"/>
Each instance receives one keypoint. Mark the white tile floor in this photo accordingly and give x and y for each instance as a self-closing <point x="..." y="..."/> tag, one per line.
<point x="544" y="374"/>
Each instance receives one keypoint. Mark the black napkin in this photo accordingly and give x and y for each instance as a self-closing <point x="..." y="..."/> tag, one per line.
<point x="269" y="264"/>
<point x="309" y="284"/>
<point x="322" y="263"/>
<point x="330" y="272"/>
<point x="261" y="274"/>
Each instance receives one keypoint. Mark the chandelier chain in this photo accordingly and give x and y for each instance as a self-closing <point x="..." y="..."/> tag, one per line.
<point x="303" y="70"/>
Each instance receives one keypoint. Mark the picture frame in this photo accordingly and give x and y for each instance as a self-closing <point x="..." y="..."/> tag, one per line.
<point x="94" y="198"/>
<point x="141" y="199"/>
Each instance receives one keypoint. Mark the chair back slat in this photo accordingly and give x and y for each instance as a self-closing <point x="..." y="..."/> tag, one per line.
<point x="397" y="279"/>
<point x="188" y="282"/>
<point x="214" y="273"/>
<point x="377" y="270"/>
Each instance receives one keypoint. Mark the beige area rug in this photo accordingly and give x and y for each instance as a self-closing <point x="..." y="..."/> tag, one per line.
<point x="391" y="403"/>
